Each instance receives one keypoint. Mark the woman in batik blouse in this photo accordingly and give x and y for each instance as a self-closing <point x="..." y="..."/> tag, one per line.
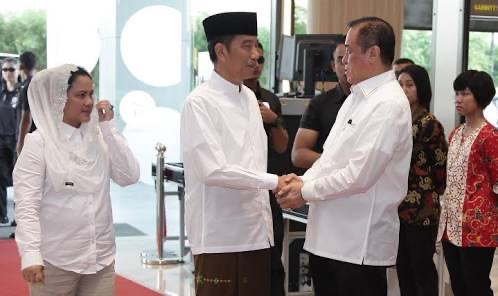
<point x="469" y="217"/>
<point x="419" y="211"/>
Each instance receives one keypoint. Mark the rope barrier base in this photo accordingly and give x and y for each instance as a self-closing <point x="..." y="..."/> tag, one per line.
<point x="168" y="258"/>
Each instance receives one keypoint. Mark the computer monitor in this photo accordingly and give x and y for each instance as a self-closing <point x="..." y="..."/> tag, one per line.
<point x="306" y="57"/>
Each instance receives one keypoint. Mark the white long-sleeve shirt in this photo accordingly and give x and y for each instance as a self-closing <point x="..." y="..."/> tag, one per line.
<point x="68" y="229"/>
<point x="355" y="187"/>
<point x="224" y="154"/>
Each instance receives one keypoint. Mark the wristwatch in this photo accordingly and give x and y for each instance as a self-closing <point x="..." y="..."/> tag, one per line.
<point x="279" y="122"/>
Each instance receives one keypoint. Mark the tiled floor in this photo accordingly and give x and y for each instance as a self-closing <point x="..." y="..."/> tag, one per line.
<point x="135" y="205"/>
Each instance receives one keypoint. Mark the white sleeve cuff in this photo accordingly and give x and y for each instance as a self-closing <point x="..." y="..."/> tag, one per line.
<point x="270" y="181"/>
<point x="31" y="259"/>
<point x="305" y="178"/>
<point x="107" y="127"/>
<point x="307" y="190"/>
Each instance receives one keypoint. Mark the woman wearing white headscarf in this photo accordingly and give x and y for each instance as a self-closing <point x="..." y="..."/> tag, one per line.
<point x="61" y="181"/>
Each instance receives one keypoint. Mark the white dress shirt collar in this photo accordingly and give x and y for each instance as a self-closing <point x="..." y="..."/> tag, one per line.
<point x="218" y="82"/>
<point x="71" y="133"/>
<point x="367" y="87"/>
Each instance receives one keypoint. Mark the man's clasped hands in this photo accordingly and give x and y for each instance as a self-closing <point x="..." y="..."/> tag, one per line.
<point x="288" y="192"/>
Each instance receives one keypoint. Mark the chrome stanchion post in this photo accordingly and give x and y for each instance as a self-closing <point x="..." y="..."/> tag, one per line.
<point x="160" y="211"/>
<point x="157" y="256"/>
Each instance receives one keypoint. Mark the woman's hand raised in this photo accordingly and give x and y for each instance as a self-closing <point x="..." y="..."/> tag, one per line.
<point x="105" y="110"/>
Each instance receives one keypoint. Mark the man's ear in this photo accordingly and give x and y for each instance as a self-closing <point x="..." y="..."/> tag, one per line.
<point x="374" y="53"/>
<point x="220" y="51"/>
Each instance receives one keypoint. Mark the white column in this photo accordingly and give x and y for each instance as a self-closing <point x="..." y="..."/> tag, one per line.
<point x="107" y="63"/>
<point x="447" y="50"/>
<point x="447" y="44"/>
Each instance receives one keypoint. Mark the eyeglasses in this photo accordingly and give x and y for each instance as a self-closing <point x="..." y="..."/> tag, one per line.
<point x="261" y="60"/>
<point x="8" y="69"/>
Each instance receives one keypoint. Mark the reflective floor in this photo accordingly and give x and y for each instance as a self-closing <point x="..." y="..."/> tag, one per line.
<point x="136" y="206"/>
<point x="134" y="217"/>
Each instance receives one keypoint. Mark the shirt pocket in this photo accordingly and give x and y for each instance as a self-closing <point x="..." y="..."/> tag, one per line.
<point x="347" y="131"/>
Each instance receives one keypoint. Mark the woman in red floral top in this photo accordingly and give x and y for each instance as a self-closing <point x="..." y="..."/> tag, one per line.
<point x="469" y="217"/>
<point x="419" y="211"/>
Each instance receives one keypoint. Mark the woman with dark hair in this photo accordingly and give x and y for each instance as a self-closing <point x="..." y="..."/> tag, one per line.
<point x="419" y="211"/>
<point x="9" y="116"/>
<point x="469" y="217"/>
<point x="61" y="181"/>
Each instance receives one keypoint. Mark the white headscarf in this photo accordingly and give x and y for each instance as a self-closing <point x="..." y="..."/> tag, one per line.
<point x="83" y="168"/>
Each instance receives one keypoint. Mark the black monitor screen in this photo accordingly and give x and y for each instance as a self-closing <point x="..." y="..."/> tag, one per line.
<point x="316" y="49"/>
<point x="291" y="61"/>
<point x="320" y="56"/>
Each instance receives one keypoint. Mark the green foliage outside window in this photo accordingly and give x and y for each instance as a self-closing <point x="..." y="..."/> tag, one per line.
<point x="417" y="45"/>
<point x="483" y="50"/>
<point x="483" y="53"/>
<point x="300" y="17"/>
<point x="23" y="32"/>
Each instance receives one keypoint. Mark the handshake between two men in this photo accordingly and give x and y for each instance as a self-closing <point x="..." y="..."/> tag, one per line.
<point x="288" y="192"/>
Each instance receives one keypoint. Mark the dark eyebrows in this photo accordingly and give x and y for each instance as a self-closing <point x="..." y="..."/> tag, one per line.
<point x="247" y="42"/>
<point x="83" y="91"/>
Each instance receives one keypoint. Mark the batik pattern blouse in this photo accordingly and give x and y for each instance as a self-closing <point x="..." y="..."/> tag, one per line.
<point x="470" y="215"/>
<point x="427" y="178"/>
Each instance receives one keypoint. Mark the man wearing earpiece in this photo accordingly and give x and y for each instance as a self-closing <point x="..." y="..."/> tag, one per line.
<point x="278" y="139"/>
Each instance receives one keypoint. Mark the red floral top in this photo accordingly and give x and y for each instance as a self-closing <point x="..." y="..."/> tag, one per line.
<point x="470" y="213"/>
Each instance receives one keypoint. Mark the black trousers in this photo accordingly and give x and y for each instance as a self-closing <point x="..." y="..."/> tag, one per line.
<point x="337" y="278"/>
<point x="277" y="267"/>
<point x="417" y="274"/>
<point x="7" y="158"/>
<point x="469" y="269"/>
